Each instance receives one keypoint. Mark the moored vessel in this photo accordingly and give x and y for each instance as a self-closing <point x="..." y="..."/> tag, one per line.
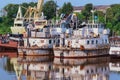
<point x="89" y="40"/>
<point x="32" y="32"/>
<point x="115" y="47"/>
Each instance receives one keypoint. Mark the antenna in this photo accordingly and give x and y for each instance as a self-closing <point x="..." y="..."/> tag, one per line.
<point x="19" y="13"/>
<point x="93" y="21"/>
<point x="38" y="9"/>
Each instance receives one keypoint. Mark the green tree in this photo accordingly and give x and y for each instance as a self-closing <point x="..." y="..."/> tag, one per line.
<point x="11" y="13"/>
<point x="101" y="16"/>
<point x="49" y="9"/>
<point x="67" y="8"/>
<point x="11" y="9"/>
<point x="81" y="17"/>
<point x="87" y="10"/>
<point x="113" y="17"/>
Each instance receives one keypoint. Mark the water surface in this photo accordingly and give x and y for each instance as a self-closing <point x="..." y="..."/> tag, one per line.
<point x="46" y="68"/>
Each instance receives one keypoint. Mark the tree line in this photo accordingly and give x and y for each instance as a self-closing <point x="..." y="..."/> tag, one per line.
<point x="111" y="17"/>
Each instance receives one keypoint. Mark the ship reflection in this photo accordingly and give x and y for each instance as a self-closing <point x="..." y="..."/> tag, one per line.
<point x="81" y="69"/>
<point x="44" y="68"/>
<point x="33" y="67"/>
<point x="114" y="65"/>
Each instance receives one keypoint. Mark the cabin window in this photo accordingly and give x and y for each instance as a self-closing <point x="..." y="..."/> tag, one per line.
<point x="96" y="70"/>
<point x="50" y="41"/>
<point x="105" y="40"/>
<point x="87" y="71"/>
<point x="105" y="68"/>
<point x="94" y="26"/>
<point x="92" y="41"/>
<point x="88" y="42"/>
<point x="102" y="69"/>
<point x="102" y="41"/>
<point x="18" y="24"/>
<point x="91" y="70"/>
<point x="88" y="26"/>
<point x="58" y="40"/>
<point x="54" y="41"/>
<point x="96" y="41"/>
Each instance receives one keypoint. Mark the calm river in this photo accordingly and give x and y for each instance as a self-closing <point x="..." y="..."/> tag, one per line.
<point x="45" y="68"/>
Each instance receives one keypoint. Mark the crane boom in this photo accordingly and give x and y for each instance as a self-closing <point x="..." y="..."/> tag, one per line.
<point x="38" y="10"/>
<point x="34" y="12"/>
<point x="39" y="5"/>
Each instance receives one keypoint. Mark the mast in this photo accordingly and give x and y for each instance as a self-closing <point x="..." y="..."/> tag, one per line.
<point x="39" y="5"/>
<point x="19" y="17"/>
<point x="38" y="10"/>
<point x="19" y="13"/>
<point x="93" y="21"/>
<point x="34" y="12"/>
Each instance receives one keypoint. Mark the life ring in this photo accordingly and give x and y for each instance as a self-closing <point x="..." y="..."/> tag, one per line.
<point x="82" y="47"/>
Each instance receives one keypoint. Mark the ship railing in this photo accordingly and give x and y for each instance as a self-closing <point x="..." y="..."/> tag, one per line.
<point x="103" y="46"/>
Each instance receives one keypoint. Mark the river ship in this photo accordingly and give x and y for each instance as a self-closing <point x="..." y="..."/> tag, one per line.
<point x="88" y="40"/>
<point x="32" y="32"/>
<point x="115" y="46"/>
<point x="35" y="35"/>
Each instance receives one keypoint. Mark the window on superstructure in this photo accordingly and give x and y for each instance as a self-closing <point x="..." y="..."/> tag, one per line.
<point x="50" y="41"/>
<point x="96" y="41"/>
<point x="54" y="41"/>
<point x="91" y="70"/>
<point x="96" y="26"/>
<point x="102" y="41"/>
<point x="102" y="26"/>
<point x="88" y="42"/>
<point x="87" y="71"/>
<point x="18" y="24"/>
<point x="105" y="40"/>
<point x="88" y="26"/>
<point x="92" y="41"/>
<point x="58" y="41"/>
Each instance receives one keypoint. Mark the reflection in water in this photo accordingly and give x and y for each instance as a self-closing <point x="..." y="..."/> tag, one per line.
<point x="34" y="68"/>
<point x="114" y="66"/>
<point x="44" y="68"/>
<point x="83" y="69"/>
<point x="6" y="64"/>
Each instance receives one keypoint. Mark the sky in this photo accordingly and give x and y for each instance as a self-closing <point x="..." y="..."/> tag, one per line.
<point x="61" y="2"/>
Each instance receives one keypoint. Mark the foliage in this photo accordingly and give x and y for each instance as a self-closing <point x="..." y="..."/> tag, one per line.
<point x="67" y="8"/>
<point x="81" y="17"/>
<point x="101" y="16"/>
<point x="113" y="18"/>
<point x="87" y="11"/>
<point x="8" y="20"/>
<point x="49" y="9"/>
<point x="4" y="28"/>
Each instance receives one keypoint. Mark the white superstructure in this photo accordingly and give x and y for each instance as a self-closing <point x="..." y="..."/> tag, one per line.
<point x="115" y="46"/>
<point x="91" y="39"/>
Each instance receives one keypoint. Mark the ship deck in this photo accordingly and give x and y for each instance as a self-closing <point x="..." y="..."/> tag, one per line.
<point x="10" y="44"/>
<point x="68" y="48"/>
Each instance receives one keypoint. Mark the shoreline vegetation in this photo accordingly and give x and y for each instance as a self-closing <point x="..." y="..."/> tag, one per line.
<point x="111" y="17"/>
